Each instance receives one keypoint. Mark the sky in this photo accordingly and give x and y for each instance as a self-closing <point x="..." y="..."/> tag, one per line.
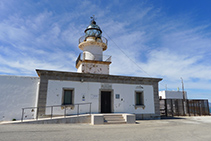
<point x="146" y="38"/>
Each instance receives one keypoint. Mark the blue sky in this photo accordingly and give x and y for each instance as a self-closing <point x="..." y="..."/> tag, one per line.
<point x="165" y="38"/>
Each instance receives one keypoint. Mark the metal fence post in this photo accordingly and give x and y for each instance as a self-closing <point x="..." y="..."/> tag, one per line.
<point x="90" y="108"/>
<point x="200" y="107"/>
<point x="172" y="110"/>
<point x="188" y="106"/>
<point x="194" y="108"/>
<point x="166" y="110"/>
<point x="203" y="108"/>
<point x="22" y="114"/>
<point x="208" y="108"/>
<point x="37" y="113"/>
<point x="65" y="111"/>
<point x="78" y="110"/>
<point x="183" y="105"/>
<point x="178" y="107"/>
<point x="51" y="112"/>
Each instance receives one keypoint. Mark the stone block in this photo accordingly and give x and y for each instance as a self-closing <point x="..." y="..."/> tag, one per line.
<point x="129" y="118"/>
<point x="97" y="119"/>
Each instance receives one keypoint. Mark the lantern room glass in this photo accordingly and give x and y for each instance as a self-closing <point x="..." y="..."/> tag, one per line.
<point x="93" y="30"/>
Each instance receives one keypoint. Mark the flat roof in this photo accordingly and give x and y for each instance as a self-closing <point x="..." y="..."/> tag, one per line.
<point x="90" y="77"/>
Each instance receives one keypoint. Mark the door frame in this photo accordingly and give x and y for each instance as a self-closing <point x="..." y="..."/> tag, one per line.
<point x="112" y="99"/>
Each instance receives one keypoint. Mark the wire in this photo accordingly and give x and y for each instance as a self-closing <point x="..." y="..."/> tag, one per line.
<point x="127" y="55"/>
<point x="130" y="58"/>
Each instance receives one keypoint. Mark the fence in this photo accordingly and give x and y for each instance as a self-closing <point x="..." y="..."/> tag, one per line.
<point x="98" y="39"/>
<point x="180" y="107"/>
<point x="56" y="110"/>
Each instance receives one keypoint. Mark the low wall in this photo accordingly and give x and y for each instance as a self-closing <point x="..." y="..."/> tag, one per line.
<point x="97" y="119"/>
<point x="147" y="116"/>
<point x="72" y="119"/>
<point x="129" y="118"/>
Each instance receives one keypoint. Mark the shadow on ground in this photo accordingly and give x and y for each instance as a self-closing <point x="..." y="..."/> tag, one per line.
<point x="172" y="118"/>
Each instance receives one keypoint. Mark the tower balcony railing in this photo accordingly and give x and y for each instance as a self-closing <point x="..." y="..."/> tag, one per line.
<point x="97" y="39"/>
<point x="93" y="57"/>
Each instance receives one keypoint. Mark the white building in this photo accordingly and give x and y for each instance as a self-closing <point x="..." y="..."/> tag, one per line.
<point x="17" y="92"/>
<point x="172" y="94"/>
<point x="90" y="84"/>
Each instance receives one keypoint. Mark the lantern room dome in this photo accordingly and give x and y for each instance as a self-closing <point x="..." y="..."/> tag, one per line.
<point x="93" y="30"/>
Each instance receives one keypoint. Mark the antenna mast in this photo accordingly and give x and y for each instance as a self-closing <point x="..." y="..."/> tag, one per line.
<point x="183" y="91"/>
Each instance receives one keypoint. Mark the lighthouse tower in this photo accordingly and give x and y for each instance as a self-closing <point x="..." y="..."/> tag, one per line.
<point x="92" y="60"/>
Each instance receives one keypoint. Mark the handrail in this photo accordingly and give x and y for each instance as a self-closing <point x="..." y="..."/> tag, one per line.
<point x="78" y="59"/>
<point x="65" y="106"/>
<point x="102" y="39"/>
<point x="104" y="58"/>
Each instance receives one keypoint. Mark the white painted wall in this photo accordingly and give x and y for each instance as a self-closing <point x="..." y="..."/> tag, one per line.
<point x="94" y="50"/>
<point x="91" y="91"/>
<point x="79" y="69"/>
<point x="172" y="94"/>
<point x="17" y="92"/>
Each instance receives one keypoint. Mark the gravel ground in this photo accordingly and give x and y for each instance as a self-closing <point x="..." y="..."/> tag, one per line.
<point x="183" y="128"/>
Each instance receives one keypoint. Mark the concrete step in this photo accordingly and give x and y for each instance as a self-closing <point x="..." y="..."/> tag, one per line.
<point x="115" y="122"/>
<point x="114" y="119"/>
<point x="113" y="116"/>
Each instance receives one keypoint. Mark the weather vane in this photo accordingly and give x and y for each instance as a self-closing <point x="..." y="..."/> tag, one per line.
<point x="93" y="18"/>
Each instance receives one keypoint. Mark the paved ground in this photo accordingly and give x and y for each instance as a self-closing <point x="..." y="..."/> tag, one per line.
<point x="187" y="129"/>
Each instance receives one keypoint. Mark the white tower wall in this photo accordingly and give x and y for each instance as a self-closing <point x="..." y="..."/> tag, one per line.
<point x="93" y="52"/>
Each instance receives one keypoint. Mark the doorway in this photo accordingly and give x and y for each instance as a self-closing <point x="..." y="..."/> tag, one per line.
<point x="105" y="102"/>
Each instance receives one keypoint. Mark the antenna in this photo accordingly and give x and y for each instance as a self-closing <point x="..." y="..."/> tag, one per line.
<point x="183" y="92"/>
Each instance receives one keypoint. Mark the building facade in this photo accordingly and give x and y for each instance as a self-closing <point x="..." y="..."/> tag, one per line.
<point x="172" y="94"/>
<point x="107" y="93"/>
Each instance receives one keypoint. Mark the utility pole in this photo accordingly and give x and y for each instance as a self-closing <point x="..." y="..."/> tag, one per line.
<point x="184" y="103"/>
<point x="183" y="91"/>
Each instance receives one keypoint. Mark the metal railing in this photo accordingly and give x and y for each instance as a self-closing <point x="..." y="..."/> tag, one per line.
<point x="94" y="57"/>
<point x="63" y="107"/>
<point x="78" y="59"/>
<point x="102" y="39"/>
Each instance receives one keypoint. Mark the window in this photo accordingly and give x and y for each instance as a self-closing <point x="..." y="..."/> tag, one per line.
<point x="68" y="97"/>
<point x="139" y="98"/>
<point x="117" y="96"/>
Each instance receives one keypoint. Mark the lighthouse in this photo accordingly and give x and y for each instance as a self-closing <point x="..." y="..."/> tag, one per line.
<point x="92" y="44"/>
